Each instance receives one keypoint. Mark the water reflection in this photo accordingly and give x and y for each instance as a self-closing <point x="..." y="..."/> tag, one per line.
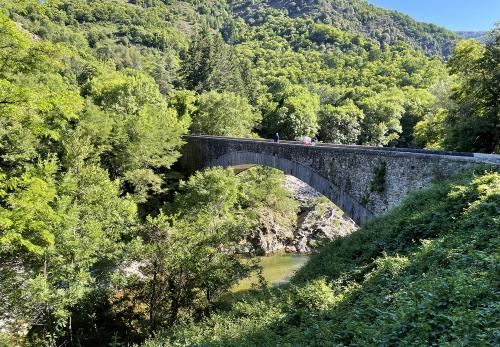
<point x="277" y="270"/>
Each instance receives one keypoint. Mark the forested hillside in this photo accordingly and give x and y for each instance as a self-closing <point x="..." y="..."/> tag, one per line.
<point x="356" y="16"/>
<point x="291" y="74"/>
<point x="101" y="241"/>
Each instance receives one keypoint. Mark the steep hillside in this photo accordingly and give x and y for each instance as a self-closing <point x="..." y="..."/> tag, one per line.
<point x="291" y="74"/>
<point x="356" y="16"/>
<point x="480" y="36"/>
<point x="423" y="275"/>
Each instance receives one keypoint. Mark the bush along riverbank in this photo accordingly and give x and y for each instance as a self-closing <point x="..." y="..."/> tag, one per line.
<point x="424" y="274"/>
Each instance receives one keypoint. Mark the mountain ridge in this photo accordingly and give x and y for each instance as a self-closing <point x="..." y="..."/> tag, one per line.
<point x="358" y="16"/>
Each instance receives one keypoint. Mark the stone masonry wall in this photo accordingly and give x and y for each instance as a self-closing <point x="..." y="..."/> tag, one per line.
<point x="363" y="181"/>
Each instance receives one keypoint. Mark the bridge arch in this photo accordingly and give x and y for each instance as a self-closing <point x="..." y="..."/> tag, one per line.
<point x="363" y="181"/>
<point x="243" y="160"/>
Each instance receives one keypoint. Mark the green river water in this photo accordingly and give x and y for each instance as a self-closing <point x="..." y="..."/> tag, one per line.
<point x="277" y="269"/>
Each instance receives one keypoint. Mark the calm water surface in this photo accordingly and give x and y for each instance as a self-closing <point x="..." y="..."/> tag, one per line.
<point x="277" y="269"/>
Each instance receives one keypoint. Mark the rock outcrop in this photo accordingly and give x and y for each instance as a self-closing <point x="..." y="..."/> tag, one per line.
<point x="270" y="237"/>
<point x="318" y="221"/>
<point x="268" y="241"/>
<point x="322" y="222"/>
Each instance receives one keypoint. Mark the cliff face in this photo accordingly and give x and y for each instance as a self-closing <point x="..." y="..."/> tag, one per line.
<point x="318" y="221"/>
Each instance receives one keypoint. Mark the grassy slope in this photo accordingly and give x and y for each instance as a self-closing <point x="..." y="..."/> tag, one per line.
<point x="427" y="273"/>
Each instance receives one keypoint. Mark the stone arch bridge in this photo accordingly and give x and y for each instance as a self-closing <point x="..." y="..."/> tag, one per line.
<point x="363" y="181"/>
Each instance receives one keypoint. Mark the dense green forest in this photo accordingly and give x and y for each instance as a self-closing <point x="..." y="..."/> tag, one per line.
<point x="103" y="243"/>
<point x="384" y="26"/>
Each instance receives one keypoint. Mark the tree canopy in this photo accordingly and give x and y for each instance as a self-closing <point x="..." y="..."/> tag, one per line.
<point x="471" y="122"/>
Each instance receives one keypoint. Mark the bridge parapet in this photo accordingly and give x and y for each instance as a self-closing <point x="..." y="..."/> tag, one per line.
<point x="363" y="181"/>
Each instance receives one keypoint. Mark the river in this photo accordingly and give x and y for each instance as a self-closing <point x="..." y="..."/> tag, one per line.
<point x="277" y="269"/>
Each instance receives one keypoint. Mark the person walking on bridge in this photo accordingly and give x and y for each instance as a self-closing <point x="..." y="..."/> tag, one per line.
<point x="276" y="138"/>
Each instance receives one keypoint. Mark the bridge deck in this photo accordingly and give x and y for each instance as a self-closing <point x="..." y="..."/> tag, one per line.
<point x="477" y="157"/>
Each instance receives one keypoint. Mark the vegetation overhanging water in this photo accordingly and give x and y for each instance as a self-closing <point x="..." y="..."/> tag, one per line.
<point x="277" y="269"/>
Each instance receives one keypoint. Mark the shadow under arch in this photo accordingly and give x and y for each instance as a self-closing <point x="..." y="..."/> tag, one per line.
<point x="244" y="160"/>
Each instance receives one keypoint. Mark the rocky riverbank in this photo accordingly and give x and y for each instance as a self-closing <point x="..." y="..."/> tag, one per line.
<point x="318" y="221"/>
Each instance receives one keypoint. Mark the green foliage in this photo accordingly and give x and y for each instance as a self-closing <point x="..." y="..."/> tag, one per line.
<point x="59" y="239"/>
<point x="225" y="114"/>
<point x="183" y="101"/>
<point x="382" y="114"/>
<point x="470" y="122"/>
<point x="431" y="132"/>
<point x="192" y="261"/>
<point x="340" y="124"/>
<point x="475" y="124"/>
<point x="5" y="341"/>
<point x="211" y="65"/>
<point x="266" y="201"/>
<point x="256" y="46"/>
<point x="419" y="104"/>
<point x="314" y="296"/>
<point x="36" y="102"/>
<point x="145" y="131"/>
<point x="189" y="269"/>
<point x="354" y="16"/>
<point x="296" y="114"/>
<point x="65" y="223"/>
<point x="215" y="191"/>
<point x="421" y="275"/>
